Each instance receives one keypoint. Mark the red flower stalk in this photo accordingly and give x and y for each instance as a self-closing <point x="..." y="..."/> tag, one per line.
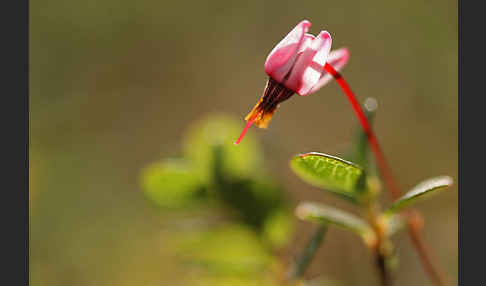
<point x="372" y="141"/>
<point x="435" y="273"/>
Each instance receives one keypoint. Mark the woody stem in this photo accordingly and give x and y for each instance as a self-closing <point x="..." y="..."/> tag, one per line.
<point x="385" y="172"/>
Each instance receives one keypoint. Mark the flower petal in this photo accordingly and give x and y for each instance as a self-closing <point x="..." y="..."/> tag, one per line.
<point x="309" y="64"/>
<point x="282" y="57"/>
<point x="337" y="59"/>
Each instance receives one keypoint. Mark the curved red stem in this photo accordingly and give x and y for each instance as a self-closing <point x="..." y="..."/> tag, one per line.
<point x="363" y="120"/>
<point x="433" y="271"/>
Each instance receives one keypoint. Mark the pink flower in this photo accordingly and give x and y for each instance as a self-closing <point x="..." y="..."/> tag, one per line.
<point x="295" y="65"/>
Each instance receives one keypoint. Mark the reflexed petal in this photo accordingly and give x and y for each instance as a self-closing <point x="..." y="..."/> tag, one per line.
<point x="282" y="57"/>
<point x="337" y="59"/>
<point x="309" y="64"/>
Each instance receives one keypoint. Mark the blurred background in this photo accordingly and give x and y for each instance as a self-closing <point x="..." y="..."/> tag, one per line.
<point x="116" y="86"/>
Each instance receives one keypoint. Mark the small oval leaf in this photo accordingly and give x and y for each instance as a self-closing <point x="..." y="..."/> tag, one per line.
<point x="326" y="214"/>
<point x="331" y="173"/>
<point x="421" y="191"/>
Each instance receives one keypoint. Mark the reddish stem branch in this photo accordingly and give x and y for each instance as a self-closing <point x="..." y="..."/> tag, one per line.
<point x="375" y="147"/>
<point x="415" y="223"/>
<point x="387" y="175"/>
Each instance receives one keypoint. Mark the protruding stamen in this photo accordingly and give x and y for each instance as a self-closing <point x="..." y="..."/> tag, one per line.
<point x="262" y="112"/>
<point x="248" y="124"/>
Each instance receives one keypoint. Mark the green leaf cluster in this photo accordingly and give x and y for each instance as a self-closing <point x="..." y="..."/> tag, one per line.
<point x="358" y="183"/>
<point x="213" y="172"/>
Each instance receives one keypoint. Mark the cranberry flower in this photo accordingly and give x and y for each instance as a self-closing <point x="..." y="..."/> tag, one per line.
<point x="295" y="65"/>
<point x="302" y="64"/>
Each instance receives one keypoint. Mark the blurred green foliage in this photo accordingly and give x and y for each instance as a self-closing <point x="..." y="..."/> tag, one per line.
<point x="218" y="131"/>
<point x="228" y="250"/>
<point x="216" y="172"/>
<point x="180" y="186"/>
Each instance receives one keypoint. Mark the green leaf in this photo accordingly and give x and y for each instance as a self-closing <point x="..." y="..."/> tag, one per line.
<point x="326" y="214"/>
<point x="421" y="191"/>
<point x="221" y="131"/>
<point x="170" y="183"/>
<point x="331" y="173"/>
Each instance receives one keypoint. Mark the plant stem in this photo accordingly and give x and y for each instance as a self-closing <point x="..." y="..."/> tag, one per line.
<point x="385" y="277"/>
<point x="386" y="173"/>
<point x="379" y="248"/>
<point x="385" y="170"/>
<point x="309" y="252"/>
<point x="437" y="277"/>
